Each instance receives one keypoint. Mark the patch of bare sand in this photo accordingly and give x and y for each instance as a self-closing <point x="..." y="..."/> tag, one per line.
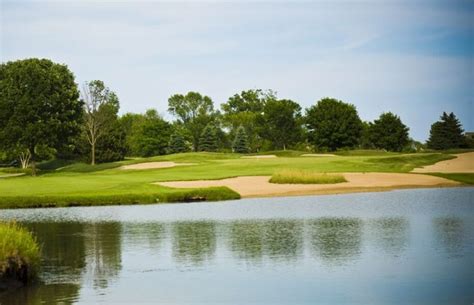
<point x="154" y="165"/>
<point x="259" y="157"/>
<point x="318" y="155"/>
<point x="258" y="186"/>
<point x="464" y="163"/>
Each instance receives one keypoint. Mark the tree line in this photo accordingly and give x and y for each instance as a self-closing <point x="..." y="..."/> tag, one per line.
<point x="44" y="114"/>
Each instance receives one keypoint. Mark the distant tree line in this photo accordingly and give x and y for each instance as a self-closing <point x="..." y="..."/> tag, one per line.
<point x="44" y="114"/>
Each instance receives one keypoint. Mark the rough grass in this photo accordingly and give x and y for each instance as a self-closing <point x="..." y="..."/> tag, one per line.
<point x="292" y="176"/>
<point x="19" y="253"/>
<point x="83" y="184"/>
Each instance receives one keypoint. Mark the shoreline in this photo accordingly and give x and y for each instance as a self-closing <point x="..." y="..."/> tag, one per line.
<point x="259" y="186"/>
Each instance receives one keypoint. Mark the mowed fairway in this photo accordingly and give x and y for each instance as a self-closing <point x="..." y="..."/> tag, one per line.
<point x="80" y="184"/>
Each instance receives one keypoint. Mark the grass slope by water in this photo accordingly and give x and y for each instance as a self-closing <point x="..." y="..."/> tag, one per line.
<point x="82" y="184"/>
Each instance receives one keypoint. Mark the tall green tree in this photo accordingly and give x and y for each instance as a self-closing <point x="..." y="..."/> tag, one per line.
<point x="244" y="109"/>
<point x="151" y="135"/>
<point x="101" y="107"/>
<point x="333" y="124"/>
<point x="446" y="133"/>
<point x="240" y="144"/>
<point x="388" y="132"/>
<point x="281" y="123"/>
<point x="194" y="111"/>
<point x="39" y="105"/>
<point x="208" y="140"/>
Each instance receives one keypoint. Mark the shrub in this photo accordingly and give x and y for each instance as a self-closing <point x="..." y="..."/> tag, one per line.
<point x="19" y="253"/>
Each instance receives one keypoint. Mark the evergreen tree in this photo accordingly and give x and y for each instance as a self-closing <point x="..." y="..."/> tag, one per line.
<point x="177" y="143"/>
<point x="447" y="133"/>
<point x="241" y="144"/>
<point x="208" y="140"/>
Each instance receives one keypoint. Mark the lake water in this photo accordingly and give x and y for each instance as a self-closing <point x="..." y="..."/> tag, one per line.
<point x="399" y="247"/>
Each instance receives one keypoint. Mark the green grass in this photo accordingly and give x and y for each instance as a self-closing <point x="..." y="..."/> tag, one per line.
<point x="83" y="184"/>
<point x="465" y="178"/>
<point x="292" y="176"/>
<point x="19" y="253"/>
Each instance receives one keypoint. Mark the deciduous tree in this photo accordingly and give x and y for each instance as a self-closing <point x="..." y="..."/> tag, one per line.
<point x="194" y="111"/>
<point x="388" y="132"/>
<point x="333" y="124"/>
<point x="39" y="105"/>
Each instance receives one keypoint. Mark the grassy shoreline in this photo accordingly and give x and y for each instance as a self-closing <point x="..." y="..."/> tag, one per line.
<point x="76" y="184"/>
<point x="19" y="254"/>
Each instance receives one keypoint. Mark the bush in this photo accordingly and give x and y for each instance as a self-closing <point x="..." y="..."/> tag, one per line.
<point x="19" y="253"/>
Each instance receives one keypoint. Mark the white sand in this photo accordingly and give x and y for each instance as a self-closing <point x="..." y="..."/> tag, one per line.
<point x="154" y="165"/>
<point x="258" y="186"/>
<point x="464" y="163"/>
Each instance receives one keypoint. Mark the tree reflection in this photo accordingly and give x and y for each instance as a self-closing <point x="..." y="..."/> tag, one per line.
<point x="246" y="240"/>
<point x="103" y="252"/>
<point x="283" y="239"/>
<point x="391" y="234"/>
<point x="335" y="239"/>
<point x="42" y="294"/>
<point x="449" y="233"/>
<point x="150" y="235"/>
<point x="194" y="241"/>
<point x="62" y="249"/>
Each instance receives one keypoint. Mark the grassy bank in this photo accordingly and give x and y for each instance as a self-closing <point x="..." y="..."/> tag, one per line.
<point x="465" y="178"/>
<point x="305" y="177"/>
<point x="19" y="253"/>
<point x="63" y="184"/>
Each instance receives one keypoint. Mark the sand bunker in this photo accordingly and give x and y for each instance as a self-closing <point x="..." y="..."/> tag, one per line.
<point x="464" y="163"/>
<point x="318" y="155"/>
<point x="259" y="157"/>
<point x="154" y="165"/>
<point x="258" y="186"/>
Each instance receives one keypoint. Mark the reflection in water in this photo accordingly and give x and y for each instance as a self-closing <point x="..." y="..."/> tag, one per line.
<point x="108" y="262"/>
<point x="103" y="252"/>
<point x="283" y="239"/>
<point x="148" y="235"/>
<point x="449" y="232"/>
<point x="194" y="241"/>
<point x="390" y="234"/>
<point x="335" y="239"/>
<point x="276" y="239"/>
<point x="63" y="294"/>
<point x="62" y="249"/>
<point x="246" y="240"/>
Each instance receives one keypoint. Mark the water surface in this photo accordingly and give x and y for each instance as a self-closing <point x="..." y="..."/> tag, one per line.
<point x="400" y="247"/>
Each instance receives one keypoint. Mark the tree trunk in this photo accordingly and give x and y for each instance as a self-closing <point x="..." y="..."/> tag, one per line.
<point x="284" y="147"/>
<point x="93" y="154"/>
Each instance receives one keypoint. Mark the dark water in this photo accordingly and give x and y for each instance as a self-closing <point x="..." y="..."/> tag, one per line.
<point x="401" y="247"/>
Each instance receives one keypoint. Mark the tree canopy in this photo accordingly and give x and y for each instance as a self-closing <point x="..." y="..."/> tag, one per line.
<point x="39" y="105"/>
<point x="244" y="110"/>
<point x="194" y="111"/>
<point x="388" y="132"/>
<point x="333" y="124"/>
<point x="281" y="123"/>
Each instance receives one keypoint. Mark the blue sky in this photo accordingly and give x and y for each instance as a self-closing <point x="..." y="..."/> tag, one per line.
<point x="414" y="58"/>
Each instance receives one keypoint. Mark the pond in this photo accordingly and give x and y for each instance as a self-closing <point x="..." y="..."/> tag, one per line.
<point x="399" y="247"/>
